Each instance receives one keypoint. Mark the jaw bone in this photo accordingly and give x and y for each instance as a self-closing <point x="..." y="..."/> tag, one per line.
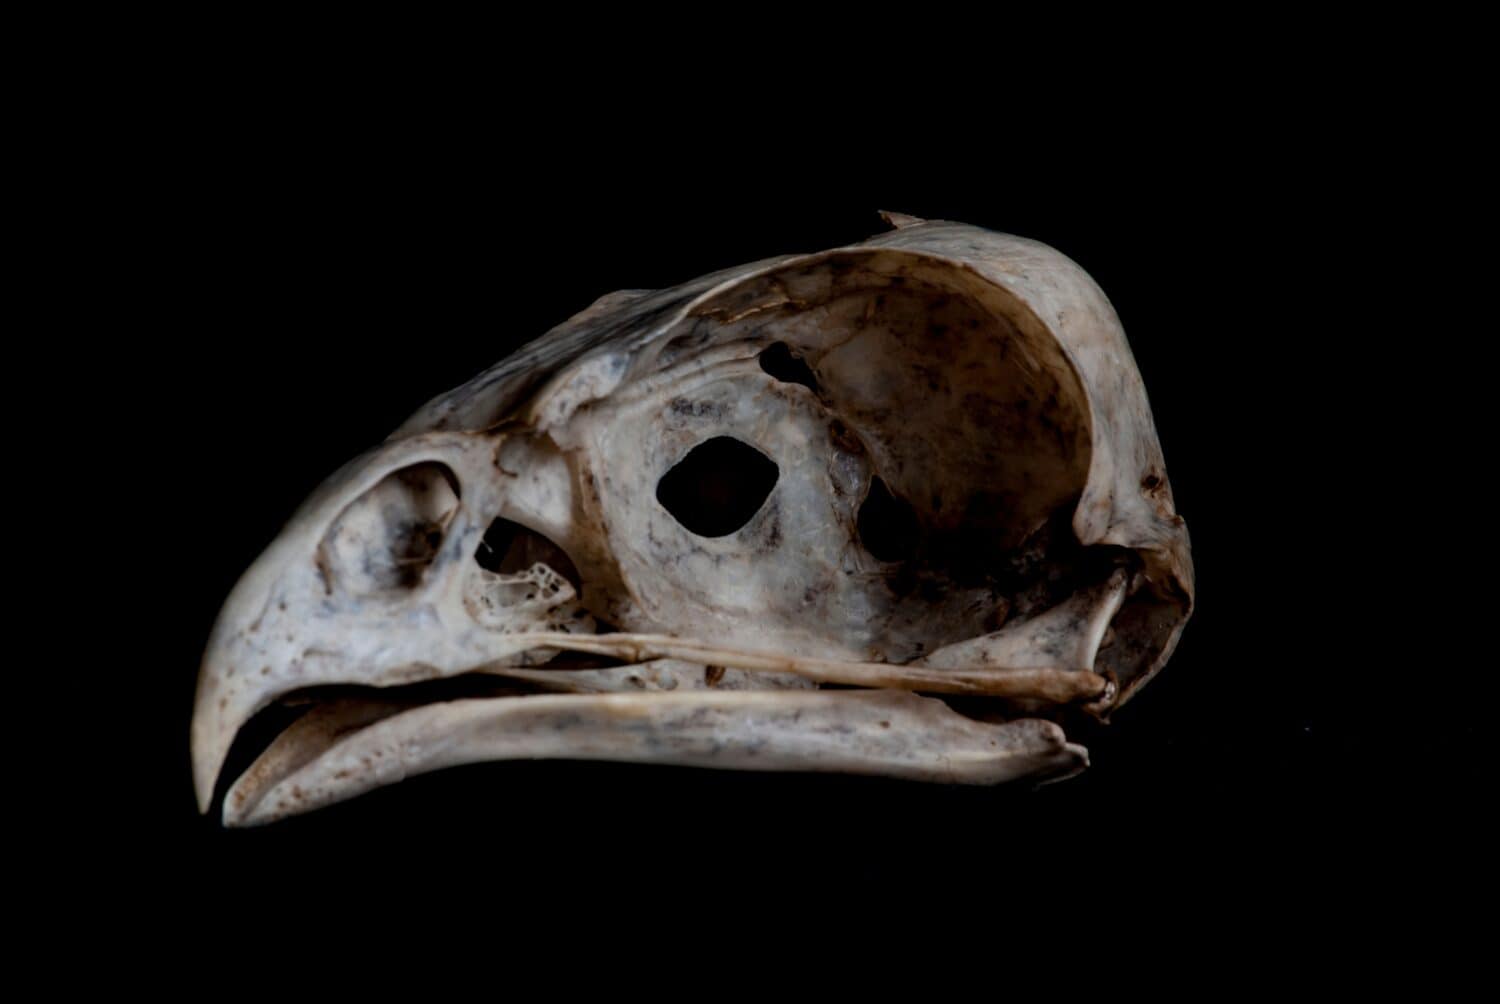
<point x="341" y="751"/>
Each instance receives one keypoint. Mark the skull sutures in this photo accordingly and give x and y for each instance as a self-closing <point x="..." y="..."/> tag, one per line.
<point x="896" y="508"/>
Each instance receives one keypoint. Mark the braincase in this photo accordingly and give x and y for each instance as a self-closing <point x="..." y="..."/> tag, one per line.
<point x="853" y="453"/>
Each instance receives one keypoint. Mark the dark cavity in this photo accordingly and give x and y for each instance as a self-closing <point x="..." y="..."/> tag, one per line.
<point x="508" y="548"/>
<point x="887" y="524"/>
<point x="718" y="486"/>
<point x="781" y="363"/>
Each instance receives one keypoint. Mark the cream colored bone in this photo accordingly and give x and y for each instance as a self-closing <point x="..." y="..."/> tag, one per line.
<point x="332" y="757"/>
<point x="983" y="378"/>
<point x="980" y="677"/>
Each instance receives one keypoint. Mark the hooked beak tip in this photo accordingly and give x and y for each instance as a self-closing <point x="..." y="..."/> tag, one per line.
<point x="209" y="742"/>
<point x="205" y="769"/>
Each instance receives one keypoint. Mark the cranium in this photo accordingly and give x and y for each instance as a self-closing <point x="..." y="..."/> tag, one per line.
<point x="896" y="508"/>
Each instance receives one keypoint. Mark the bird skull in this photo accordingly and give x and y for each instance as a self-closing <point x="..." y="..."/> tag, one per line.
<point x="897" y="508"/>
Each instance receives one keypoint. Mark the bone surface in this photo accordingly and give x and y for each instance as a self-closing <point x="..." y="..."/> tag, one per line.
<point x="872" y="732"/>
<point x="741" y="523"/>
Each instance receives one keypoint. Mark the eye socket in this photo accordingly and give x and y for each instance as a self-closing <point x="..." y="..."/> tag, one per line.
<point x="718" y="486"/>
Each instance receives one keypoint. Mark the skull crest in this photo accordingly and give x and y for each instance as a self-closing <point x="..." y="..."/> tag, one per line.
<point x="897" y="508"/>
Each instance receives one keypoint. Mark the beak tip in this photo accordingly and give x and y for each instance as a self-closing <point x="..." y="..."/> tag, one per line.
<point x="205" y="797"/>
<point x="204" y="775"/>
<point x="208" y="759"/>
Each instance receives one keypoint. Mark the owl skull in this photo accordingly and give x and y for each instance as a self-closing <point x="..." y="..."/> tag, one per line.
<point x="746" y="522"/>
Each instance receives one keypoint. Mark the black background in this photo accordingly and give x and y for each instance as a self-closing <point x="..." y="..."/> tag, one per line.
<point x="305" y="273"/>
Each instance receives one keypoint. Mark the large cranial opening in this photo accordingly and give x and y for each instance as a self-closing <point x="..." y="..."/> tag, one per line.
<point x="718" y="486"/>
<point x="966" y="405"/>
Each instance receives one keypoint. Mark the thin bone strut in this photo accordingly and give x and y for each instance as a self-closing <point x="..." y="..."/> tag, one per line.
<point x="1058" y="685"/>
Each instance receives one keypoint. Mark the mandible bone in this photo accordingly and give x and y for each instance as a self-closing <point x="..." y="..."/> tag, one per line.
<point x="897" y="508"/>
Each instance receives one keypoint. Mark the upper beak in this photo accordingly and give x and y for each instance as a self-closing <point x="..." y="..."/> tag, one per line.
<point x="288" y="623"/>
